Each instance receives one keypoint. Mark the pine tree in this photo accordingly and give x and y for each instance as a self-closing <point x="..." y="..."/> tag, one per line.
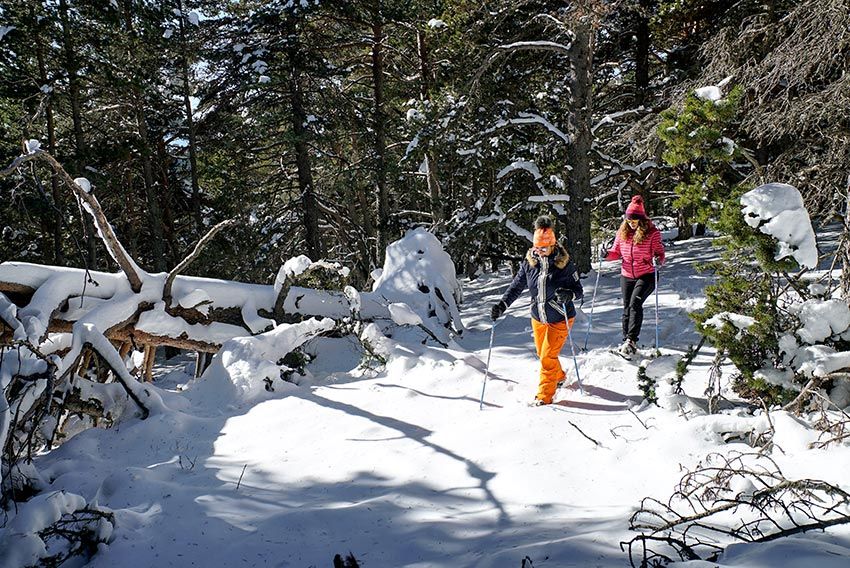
<point x="701" y="153"/>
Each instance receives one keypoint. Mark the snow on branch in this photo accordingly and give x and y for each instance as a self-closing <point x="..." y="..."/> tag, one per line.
<point x="509" y="48"/>
<point x="9" y="317"/>
<point x="610" y="118"/>
<point x="530" y="167"/>
<point x="87" y="335"/>
<point x="540" y="45"/>
<point x="777" y="209"/>
<point x="619" y="167"/>
<point x="530" y="118"/>
<point x="52" y="527"/>
<point x="253" y="364"/>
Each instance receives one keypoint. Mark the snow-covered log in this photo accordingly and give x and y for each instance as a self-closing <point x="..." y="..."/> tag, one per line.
<point x="54" y="320"/>
<point x="205" y="312"/>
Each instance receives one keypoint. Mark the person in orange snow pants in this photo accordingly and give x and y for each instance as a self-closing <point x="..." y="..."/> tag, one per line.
<point x="553" y="281"/>
<point x="549" y="338"/>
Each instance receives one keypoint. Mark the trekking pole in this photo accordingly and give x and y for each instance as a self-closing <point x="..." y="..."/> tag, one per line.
<point x="487" y="369"/>
<point x="593" y="299"/>
<point x="573" y="350"/>
<point x="656" y="306"/>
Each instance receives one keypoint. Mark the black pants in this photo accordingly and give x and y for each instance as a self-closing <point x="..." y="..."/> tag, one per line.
<point x="635" y="293"/>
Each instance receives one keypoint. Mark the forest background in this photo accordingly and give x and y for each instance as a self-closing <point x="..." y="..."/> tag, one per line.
<point x="329" y="128"/>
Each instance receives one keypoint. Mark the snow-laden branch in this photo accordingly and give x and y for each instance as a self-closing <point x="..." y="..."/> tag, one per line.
<point x="610" y="118"/>
<point x="88" y="336"/>
<point x="24" y="542"/>
<point x="9" y="317"/>
<point x="500" y="216"/>
<point x="540" y="45"/>
<point x="618" y="167"/>
<point x="526" y="165"/>
<point x="509" y="48"/>
<point x="530" y="118"/>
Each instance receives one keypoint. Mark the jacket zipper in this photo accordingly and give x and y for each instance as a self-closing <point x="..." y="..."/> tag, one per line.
<point x="541" y="289"/>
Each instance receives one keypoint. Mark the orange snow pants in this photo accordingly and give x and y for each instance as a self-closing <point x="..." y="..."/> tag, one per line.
<point x="549" y="338"/>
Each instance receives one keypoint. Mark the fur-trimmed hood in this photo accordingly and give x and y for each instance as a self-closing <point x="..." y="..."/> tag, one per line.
<point x="562" y="257"/>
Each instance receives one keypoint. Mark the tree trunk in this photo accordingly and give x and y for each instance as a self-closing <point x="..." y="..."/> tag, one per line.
<point x="363" y="264"/>
<point x="152" y="199"/>
<point x="379" y="120"/>
<point x="578" y="153"/>
<point x="642" y="53"/>
<point x="845" y="249"/>
<point x="55" y="214"/>
<point x="430" y="163"/>
<point x="190" y="128"/>
<point x="137" y="100"/>
<point x="683" y="223"/>
<point x="166" y="201"/>
<point x="74" y="95"/>
<point x="312" y="233"/>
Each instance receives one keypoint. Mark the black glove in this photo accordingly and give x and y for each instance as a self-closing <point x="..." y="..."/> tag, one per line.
<point x="564" y="295"/>
<point x="606" y="248"/>
<point x="497" y="310"/>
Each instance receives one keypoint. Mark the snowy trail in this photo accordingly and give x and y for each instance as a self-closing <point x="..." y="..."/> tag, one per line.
<point x="680" y="291"/>
<point x="400" y="467"/>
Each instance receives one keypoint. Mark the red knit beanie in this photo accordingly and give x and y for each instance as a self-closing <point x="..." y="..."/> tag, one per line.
<point x="635" y="209"/>
<point x="544" y="235"/>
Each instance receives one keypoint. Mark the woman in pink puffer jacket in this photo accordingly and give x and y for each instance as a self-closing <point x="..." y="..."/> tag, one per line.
<point x="638" y="244"/>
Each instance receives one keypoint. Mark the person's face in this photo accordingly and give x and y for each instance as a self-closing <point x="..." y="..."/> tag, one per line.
<point x="543" y="251"/>
<point x="633" y="223"/>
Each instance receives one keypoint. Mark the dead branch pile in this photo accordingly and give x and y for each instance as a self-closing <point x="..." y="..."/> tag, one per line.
<point x="726" y="499"/>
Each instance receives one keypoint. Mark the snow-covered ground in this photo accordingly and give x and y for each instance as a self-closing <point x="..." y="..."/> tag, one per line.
<point x="399" y="467"/>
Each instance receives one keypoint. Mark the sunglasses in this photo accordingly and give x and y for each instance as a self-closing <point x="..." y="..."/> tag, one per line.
<point x="540" y="249"/>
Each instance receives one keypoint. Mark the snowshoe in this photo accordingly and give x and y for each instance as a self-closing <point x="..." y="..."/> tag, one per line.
<point x="627" y="350"/>
<point x="620" y="355"/>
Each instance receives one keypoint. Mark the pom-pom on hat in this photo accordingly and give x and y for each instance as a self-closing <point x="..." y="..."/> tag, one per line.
<point x="544" y="234"/>
<point x="635" y="209"/>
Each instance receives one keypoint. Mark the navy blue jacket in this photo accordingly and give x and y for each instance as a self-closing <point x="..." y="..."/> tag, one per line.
<point x="542" y="276"/>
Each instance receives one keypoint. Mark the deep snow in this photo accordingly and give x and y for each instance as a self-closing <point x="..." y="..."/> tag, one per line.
<point x="398" y="466"/>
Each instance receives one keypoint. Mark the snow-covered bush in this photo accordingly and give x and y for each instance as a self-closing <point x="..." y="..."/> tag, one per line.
<point x="417" y="286"/>
<point x="419" y="273"/>
<point x="779" y="331"/>
<point x="52" y="528"/>
<point x="320" y="275"/>
<point x="254" y="364"/>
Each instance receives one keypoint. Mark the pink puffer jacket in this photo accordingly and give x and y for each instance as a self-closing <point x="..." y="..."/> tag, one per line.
<point x="637" y="258"/>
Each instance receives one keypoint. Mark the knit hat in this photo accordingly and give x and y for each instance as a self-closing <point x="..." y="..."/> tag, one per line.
<point x="544" y="235"/>
<point x="635" y="209"/>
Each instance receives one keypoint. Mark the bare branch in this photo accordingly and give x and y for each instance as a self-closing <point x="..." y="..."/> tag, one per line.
<point x="196" y="252"/>
<point x="806" y="391"/>
<point x="113" y="245"/>
<point x="766" y="506"/>
<point x="583" y="434"/>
